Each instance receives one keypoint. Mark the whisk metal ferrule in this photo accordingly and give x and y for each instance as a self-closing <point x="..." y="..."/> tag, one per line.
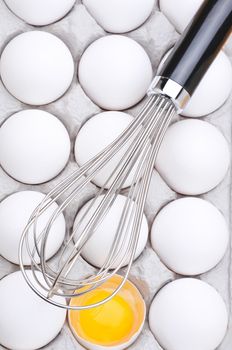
<point x="169" y="88"/>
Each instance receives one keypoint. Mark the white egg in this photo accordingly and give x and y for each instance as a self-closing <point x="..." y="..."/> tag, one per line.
<point x="188" y="314"/>
<point x="194" y="157"/>
<point x="15" y="212"/>
<point x="180" y="12"/>
<point x="95" y="135"/>
<point x="97" y="248"/>
<point x="115" y="72"/>
<point x="119" y="16"/>
<point x="26" y="321"/>
<point x="36" y="67"/>
<point x="40" y="12"/>
<point x="34" y="146"/>
<point x="190" y="235"/>
<point x="208" y="96"/>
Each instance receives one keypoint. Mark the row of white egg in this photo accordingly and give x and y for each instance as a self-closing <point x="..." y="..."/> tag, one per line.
<point x="115" y="72"/>
<point x="196" y="316"/>
<point x="115" y="16"/>
<point x="181" y="233"/>
<point x="195" y="319"/>
<point x="189" y="167"/>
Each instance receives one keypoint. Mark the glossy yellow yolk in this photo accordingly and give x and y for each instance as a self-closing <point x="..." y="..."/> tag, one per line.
<point x="108" y="323"/>
<point x="112" y="323"/>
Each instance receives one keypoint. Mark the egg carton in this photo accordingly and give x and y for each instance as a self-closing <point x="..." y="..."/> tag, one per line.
<point x="79" y="29"/>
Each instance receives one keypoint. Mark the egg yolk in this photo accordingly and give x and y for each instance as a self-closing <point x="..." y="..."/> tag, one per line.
<point x="112" y="323"/>
<point x="107" y="323"/>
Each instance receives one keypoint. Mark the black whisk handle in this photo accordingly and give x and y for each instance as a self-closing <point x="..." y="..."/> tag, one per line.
<point x="199" y="44"/>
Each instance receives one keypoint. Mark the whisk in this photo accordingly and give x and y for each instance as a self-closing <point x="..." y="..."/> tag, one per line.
<point x="167" y="95"/>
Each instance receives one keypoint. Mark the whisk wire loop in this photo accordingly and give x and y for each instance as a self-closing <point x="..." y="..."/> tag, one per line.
<point x="143" y="138"/>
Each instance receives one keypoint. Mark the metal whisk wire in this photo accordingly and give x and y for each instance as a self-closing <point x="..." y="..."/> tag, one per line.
<point x="146" y="133"/>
